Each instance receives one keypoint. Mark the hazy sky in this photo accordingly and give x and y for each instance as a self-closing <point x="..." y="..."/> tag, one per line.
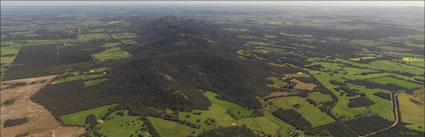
<point x="304" y="3"/>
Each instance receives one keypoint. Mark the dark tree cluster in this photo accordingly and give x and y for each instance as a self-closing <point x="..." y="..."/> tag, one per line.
<point x="235" y="131"/>
<point x="360" y="102"/>
<point x="292" y="117"/>
<point x="8" y="102"/>
<point x="15" y="122"/>
<point x="335" y="129"/>
<point x="366" y="125"/>
<point x="383" y="95"/>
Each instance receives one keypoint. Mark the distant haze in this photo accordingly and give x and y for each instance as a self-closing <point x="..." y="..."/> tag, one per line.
<point x="260" y="3"/>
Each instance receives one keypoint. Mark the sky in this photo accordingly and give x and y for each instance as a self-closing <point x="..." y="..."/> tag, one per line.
<point x="300" y="3"/>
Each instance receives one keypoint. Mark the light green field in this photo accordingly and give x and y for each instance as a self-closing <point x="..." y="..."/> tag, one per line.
<point x="390" y="80"/>
<point x="362" y="58"/>
<point x="125" y="35"/>
<point x="276" y="82"/>
<point x="382" y="107"/>
<point x="167" y="128"/>
<point x="215" y="112"/>
<point x="95" y="36"/>
<point x="319" y="97"/>
<point x="341" y="109"/>
<point x="411" y="112"/>
<point x="94" y="82"/>
<point x="236" y="29"/>
<point x="98" y="70"/>
<point x="123" y="126"/>
<point x="260" y="124"/>
<point x="128" y="41"/>
<point x="79" y="118"/>
<point x="112" y="54"/>
<point x="76" y="75"/>
<point x="296" y="35"/>
<point x="109" y="45"/>
<point x="232" y="108"/>
<point x="307" y="110"/>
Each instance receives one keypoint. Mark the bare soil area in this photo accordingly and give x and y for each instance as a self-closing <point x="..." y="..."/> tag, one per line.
<point x="304" y="86"/>
<point x="276" y="94"/>
<point x="41" y="122"/>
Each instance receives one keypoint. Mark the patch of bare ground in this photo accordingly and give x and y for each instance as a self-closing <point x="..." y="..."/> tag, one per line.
<point x="277" y="94"/>
<point x="304" y="86"/>
<point x="41" y="123"/>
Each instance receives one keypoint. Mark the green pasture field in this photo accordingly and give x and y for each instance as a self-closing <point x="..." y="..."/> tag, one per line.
<point x="235" y="109"/>
<point x="236" y="29"/>
<point x="341" y="109"/>
<point x="98" y="70"/>
<point x="167" y="128"/>
<point x="110" y="45"/>
<point x="411" y="113"/>
<point x="276" y="83"/>
<point x="94" y="82"/>
<point x="125" y="35"/>
<point x="307" y="110"/>
<point x="115" y="53"/>
<point x="319" y="97"/>
<point x="296" y="35"/>
<point x="79" y="118"/>
<point x="76" y="75"/>
<point x="382" y="107"/>
<point x="123" y="126"/>
<point x="128" y="41"/>
<point x="390" y="80"/>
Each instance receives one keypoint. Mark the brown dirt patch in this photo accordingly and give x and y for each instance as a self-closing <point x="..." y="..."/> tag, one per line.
<point x="304" y="86"/>
<point x="276" y="94"/>
<point x="41" y="122"/>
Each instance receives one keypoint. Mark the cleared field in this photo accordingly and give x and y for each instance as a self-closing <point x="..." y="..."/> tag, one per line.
<point x="362" y="58"/>
<point x="125" y="35"/>
<point x="296" y="35"/>
<point x="76" y="75"/>
<point x="79" y="118"/>
<point x="40" y="121"/>
<point x="307" y="110"/>
<point x="233" y="109"/>
<point x="94" y="82"/>
<point x="411" y="112"/>
<point x="115" y="53"/>
<point x="260" y="124"/>
<point x="319" y="97"/>
<point x="128" y="41"/>
<point x="108" y="45"/>
<point x="123" y="126"/>
<point x="167" y="128"/>
<point x="276" y="82"/>
<point x="390" y="80"/>
<point x="382" y="107"/>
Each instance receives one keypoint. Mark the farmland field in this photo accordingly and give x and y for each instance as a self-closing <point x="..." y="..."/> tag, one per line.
<point x="177" y="70"/>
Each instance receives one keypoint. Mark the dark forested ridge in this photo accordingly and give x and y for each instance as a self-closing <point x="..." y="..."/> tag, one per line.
<point x="230" y="71"/>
